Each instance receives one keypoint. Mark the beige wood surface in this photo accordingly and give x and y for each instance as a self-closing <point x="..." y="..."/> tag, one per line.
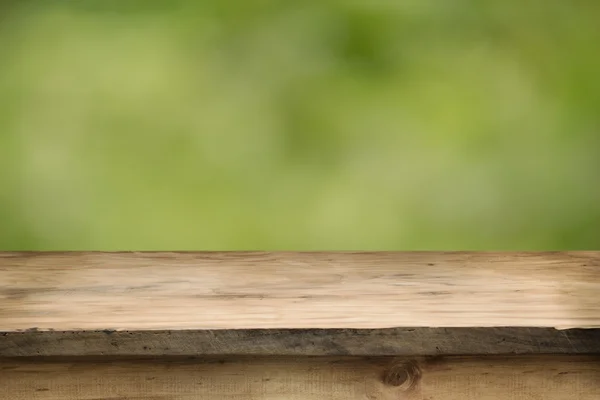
<point x="304" y="378"/>
<point x="152" y="291"/>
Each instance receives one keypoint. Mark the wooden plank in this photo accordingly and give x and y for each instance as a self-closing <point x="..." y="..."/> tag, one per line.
<point x="303" y="342"/>
<point x="251" y="290"/>
<point x="304" y="378"/>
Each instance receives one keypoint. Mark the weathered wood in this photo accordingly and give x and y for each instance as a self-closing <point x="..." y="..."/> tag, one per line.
<point x="304" y="378"/>
<point x="303" y="342"/>
<point x="241" y="290"/>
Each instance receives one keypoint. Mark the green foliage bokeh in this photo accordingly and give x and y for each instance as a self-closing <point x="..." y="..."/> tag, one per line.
<point x="309" y="125"/>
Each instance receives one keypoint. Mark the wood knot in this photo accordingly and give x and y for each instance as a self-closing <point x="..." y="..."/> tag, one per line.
<point x="404" y="375"/>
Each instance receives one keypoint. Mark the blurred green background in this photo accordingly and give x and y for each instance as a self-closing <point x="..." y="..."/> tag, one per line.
<point x="193" y="125"/>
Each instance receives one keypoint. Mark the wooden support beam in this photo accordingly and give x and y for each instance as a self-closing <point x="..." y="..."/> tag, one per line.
<point x="303" y="342"/>
<point x="304" y="378"/>
<point x="340" y="290"/>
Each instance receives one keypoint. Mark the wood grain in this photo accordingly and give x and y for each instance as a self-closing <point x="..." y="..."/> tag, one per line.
<point x="304" y="378"/>
<point x="252" y="290"/>
<point x="303" y="342"/>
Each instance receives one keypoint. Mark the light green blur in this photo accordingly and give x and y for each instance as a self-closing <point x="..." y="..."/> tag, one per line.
<point x="308" y="125"/>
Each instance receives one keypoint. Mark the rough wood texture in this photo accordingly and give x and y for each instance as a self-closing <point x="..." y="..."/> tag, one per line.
<point x="303" y="342"/>
<point x="176" y="291"/>
<point x="304" y="378"/>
